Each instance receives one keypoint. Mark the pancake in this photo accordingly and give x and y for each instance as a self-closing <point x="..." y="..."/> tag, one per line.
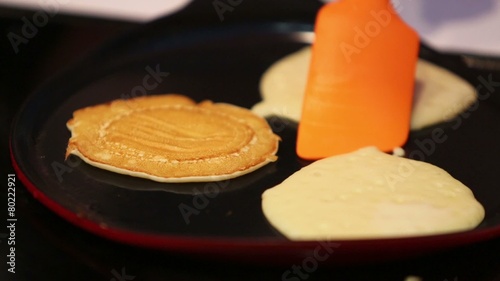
<point x="369" y="194"/>
<point x="170" y="138"/>
<point x="439" y="94"/>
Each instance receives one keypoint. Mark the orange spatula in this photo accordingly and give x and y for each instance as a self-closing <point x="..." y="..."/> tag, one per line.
<point x="360" y="85"/>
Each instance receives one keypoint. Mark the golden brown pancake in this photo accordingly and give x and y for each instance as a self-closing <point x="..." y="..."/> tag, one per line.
<point x="170" y="138"/>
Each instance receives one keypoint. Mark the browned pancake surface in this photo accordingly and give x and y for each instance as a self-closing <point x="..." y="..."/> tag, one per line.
<point x="170" y="138"/>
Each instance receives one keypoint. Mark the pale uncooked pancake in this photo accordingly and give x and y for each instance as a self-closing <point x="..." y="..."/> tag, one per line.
<point x="170" y="138"/>
<point x="439" y="94"/>
<point x="369" y="194"/>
